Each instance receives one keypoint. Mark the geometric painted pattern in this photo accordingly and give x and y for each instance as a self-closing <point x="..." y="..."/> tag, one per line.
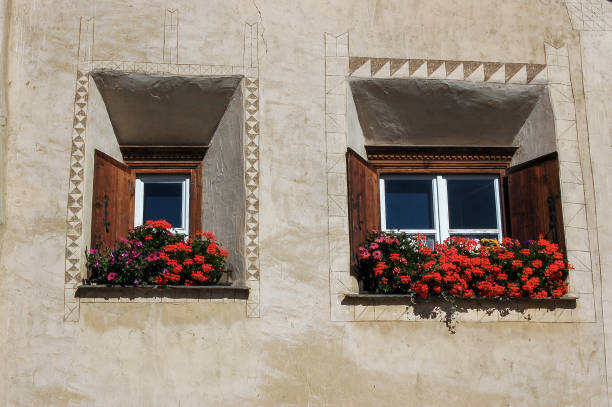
<point x="74" y="217"/>
<point x="74" y="255"/>
<point x="251" y="151"/>
<point x="494" y="72"/>
<point x="590" y="15"/>
<point x="555" y="74"/>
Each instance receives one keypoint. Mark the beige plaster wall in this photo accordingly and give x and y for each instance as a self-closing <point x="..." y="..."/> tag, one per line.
<point x="210" y="353"/>
<point x="223" y="203"/>
<point x="597" y="52"/>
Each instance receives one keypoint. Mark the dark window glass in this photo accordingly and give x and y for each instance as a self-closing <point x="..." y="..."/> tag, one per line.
<point x="163" y="201"/>
<point x="477" y="236"/>
<point x="471" y="204"/>
<point x="409" y="204"/>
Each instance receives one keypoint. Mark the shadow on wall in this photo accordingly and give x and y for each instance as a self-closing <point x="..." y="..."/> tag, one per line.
<point x="422" y="112"/>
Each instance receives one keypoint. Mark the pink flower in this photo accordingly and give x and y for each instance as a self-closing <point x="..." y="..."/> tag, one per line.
<point x="111" y="276"/>
<point x="377" y="254"/>
<point x="373" y="246"/>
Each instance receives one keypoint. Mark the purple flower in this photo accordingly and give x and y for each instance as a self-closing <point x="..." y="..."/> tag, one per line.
<point x="138" y="243"/>
<point x="165" y="271"/>
<point x="377" y="254"/>
<point x="111" y="276"/>
<point x="136" y="282"/>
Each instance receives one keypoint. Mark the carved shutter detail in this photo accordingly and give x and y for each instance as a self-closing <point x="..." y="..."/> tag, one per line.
<point x="534" y="200"/>
<point x="363" y="200"/>
<point x="112" y="205"/>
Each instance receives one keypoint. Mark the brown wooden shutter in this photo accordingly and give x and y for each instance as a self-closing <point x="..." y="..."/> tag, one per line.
<point x="112" y="208"/>
<point x="363" y="200"/>
<point x="533" y="200"/>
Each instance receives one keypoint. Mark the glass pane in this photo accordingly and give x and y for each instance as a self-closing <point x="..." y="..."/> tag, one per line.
<point x="477" y="236"/>
<point x="163" y="200"/>
<point x="471" y="204"/>
<point x="409" y="204"/>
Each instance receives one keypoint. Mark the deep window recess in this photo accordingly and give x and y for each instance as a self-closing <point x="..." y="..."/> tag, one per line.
<point x="439" y="206"/>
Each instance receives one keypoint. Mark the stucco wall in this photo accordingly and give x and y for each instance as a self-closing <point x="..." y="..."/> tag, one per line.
<point x="296" y="352"/>
<point x="223" y="204"/>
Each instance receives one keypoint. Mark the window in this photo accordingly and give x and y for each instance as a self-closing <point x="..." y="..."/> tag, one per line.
<point x="164" y="196"/>
<point x="452" y="191"/>
<point x="439" y="206"/>
<point x="152" y="183"/>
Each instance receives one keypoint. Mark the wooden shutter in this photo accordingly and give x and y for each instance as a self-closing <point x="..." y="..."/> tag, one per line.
<point x="363" y="200"/>
<point x="533" y="200"/>
<point x="112" y="208"/>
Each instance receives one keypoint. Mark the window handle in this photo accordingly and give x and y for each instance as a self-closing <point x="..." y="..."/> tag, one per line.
<point x="106" y="222"/>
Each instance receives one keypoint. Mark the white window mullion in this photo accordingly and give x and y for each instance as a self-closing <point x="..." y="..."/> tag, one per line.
<point x="138" y="202"/>
<point x="443" y="208"/>
<point x="383" y="210"/>
<point x="498" y="208"/>
<point x="186" y="206"/>
<point x="436" y="206"/>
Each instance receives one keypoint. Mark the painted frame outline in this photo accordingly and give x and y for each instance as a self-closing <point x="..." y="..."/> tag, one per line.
<point x="555" y="74"/>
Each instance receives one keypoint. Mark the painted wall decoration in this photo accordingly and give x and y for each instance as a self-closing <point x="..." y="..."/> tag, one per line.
<point x="168" y="66"/>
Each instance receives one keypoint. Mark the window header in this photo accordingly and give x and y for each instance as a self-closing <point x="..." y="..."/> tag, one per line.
<point x="440" y="158"/>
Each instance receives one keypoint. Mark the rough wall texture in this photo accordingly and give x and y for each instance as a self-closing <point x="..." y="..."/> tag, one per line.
<point x="223" y="205"/>
<point x="295" y="353"/>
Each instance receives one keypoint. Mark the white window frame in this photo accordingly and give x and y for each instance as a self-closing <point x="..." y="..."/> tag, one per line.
<point x="183" y="179"/>
<point x="440" y="205"/>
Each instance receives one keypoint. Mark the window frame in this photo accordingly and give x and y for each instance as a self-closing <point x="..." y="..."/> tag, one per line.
<point x="170" y="160"/>
<point x="440" y="204"/>
<point x="182" y="179"/>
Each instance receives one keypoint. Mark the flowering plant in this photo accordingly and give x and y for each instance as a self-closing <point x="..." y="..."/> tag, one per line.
<point x="461" y="267"/>
<point x="152" y="254"/>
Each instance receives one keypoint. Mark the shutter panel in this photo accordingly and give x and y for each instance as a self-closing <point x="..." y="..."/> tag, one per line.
<point x="112" y="208"/>
<point x="533" y="205"/>
<point x="363" y="200"/>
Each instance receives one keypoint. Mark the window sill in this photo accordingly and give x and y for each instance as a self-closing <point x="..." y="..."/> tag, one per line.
<point x="567" y="301"/>
<point x="153" y="293"/>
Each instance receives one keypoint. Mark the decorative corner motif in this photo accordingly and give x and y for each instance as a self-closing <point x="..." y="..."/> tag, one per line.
<point x="170" y="48"/>
<point x="590" y="15"/>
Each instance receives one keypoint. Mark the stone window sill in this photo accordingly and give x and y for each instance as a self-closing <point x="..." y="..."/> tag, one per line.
<point x="567" y="301"/>
<point x="152" y="293"/>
